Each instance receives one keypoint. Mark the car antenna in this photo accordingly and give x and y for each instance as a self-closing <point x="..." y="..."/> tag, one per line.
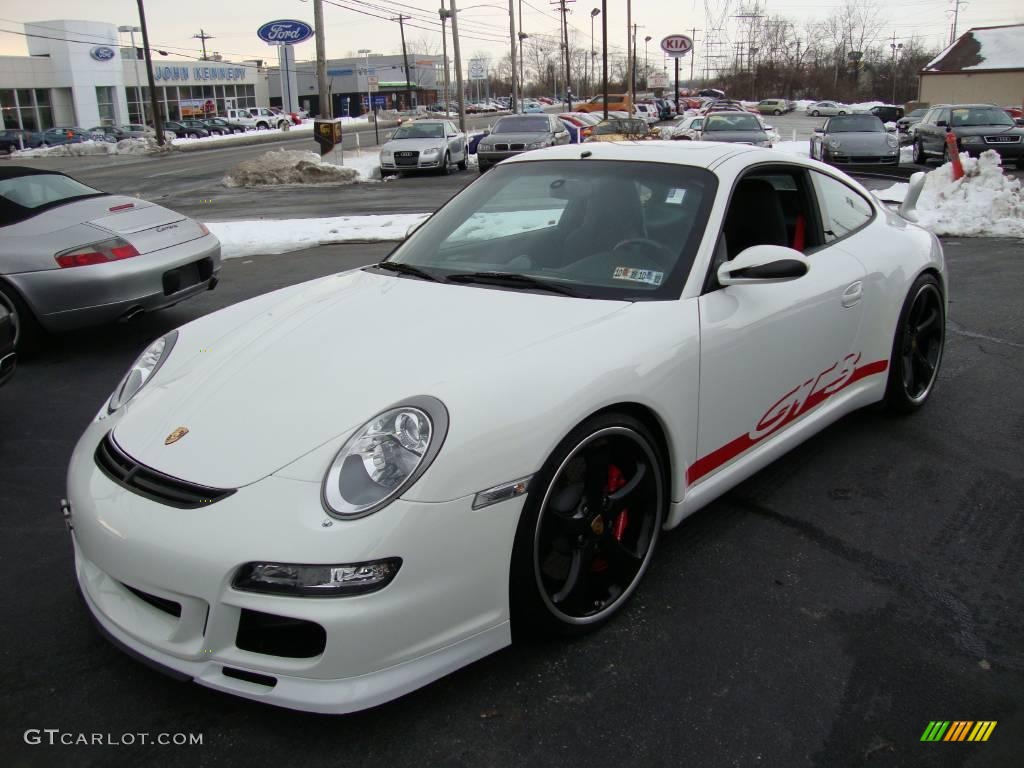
<point x="585" y="154"/>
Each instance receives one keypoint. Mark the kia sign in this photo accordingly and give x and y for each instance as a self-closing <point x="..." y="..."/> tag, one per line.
<point x="102" y="53"/>
<point x="284" y="32"/>
<point x="677" y="46"/>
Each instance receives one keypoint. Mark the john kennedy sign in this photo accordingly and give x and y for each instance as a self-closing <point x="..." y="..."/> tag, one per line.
<point x="284" y="32"/>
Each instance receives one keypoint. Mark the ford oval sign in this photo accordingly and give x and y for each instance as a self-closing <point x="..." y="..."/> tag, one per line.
<point x="284" y="32"/>
<point x="102" y="53"/>
<point x="677" y="46"/>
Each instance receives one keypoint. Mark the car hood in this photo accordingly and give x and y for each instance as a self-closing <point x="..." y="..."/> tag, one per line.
<point x="415" y="145"/>
<point x="866" y="141"/>
<point x="735" y="137"/>
<point x="257" y="390"/>
<point x="987" y="130"/>
<point x="515" y="138"/>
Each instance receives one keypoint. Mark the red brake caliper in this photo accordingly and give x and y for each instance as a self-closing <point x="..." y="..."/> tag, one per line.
<point x="616" y="481"/>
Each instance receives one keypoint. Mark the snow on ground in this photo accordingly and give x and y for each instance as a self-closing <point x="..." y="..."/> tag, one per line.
<point x="250" y="238"/>
<point x="984" y="203"/>
<point x="287" y="166"/>
<point x="123" y="147"/>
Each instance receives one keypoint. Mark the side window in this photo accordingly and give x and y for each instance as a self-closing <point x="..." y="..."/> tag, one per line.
<point x="842" y="209"/>
<point x="943" y="114"/>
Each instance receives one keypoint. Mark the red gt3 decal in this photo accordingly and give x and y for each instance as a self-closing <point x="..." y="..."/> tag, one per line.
<point x="788" y="408"/>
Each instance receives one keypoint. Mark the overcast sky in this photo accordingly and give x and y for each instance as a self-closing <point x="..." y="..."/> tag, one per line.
<point x="233" y="23"/>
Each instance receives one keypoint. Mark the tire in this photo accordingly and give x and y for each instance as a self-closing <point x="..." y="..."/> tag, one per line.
<point x="777" y="112"/>
<point x="262" y="127"/>
<point x="463" y="164"/>
<point x="917" y="346"/>
<point x="572" y="569"/>
<point x="945" y="153"/>
<point x="1020" y="163"/>
<point x="815" y="113"/>
<point x="28" y="334"/>
<point x="191" y="135"/>
<point x="825" y="156"/>
<point x="446" y="166"/>
<point x="841" y="112"/>
<point x="919" y="156"/>
<point x="482" y="168"/>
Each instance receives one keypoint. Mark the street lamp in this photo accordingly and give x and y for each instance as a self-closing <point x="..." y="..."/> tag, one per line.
<point x="138" y="80"/>
<point x="365" y="52"/>
<point x="593" y="54"/>
<point x="647" y="71"/>
<point x="896" y="48"/>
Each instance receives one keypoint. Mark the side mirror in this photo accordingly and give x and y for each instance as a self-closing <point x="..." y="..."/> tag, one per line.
<point x="942" y="123"/>
<point x="820" y="129"/>
<point x="764" y="264"/>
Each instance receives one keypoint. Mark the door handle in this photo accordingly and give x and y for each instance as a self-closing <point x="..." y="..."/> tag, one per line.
<point x="853" y="294"/>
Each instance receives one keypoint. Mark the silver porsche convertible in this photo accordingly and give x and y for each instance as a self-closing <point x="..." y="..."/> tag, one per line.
<point x="72" y="256"/>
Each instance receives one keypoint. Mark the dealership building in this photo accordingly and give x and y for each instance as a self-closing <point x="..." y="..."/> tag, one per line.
<point x="79" y="73"/>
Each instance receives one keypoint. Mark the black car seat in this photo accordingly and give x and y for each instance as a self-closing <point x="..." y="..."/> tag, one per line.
<point x="755" y="217"/>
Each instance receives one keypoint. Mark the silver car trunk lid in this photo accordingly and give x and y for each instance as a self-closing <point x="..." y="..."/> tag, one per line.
<point x="147" y="226"/>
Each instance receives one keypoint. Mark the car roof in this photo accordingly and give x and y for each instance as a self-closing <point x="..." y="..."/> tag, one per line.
<point x="702" y="154"/>
<point x="14" y="171"/>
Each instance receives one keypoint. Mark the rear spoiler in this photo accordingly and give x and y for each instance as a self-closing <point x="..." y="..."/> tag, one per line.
<point x="908" y="208"/>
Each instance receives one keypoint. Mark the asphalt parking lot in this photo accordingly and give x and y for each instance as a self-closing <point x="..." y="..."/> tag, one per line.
<point x="822" y="613"/>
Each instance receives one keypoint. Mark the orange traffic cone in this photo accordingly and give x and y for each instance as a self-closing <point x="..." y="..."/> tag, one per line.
<point x="954" y="154"/>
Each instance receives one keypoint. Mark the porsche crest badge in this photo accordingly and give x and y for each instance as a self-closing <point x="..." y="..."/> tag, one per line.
<point x="176" y="435"/>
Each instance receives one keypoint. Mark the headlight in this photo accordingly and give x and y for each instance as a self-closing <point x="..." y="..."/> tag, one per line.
<point x="834" y="143"/>
<point x="142" y="370"/>
<point x="385" y="154"/>
<point x="431" y="151"/>
<point x="971" y="140"/>
<point x="892" y="141"/>
<point x="384" y="457"/>
<point x="537" y="145"/>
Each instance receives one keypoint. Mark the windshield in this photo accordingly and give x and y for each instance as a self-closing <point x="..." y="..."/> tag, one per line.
<point x="420" y="131"/>
<point x="979" y="116"/>
<point x="856" y="124"/>
<point x="732" y="122"/>
<point x="606" y="229"/>
<point x="22" y="197"/>
<point x="918" y="113"/>
<point x="521" y="125"/>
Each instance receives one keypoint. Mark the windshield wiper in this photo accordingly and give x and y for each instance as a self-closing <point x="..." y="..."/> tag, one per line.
<point x="512" y="280"/>
<point x="406" y="269"/>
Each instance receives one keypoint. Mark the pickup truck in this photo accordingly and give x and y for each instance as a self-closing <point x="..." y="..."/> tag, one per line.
<point x="258" y="118"/>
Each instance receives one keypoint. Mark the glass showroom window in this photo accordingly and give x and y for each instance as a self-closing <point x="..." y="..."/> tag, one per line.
<point x="43" y="109"/>
<point x="9" y="109"/>
<point x="105" y="103"/>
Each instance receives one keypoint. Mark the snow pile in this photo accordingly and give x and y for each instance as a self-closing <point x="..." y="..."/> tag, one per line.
<point x="801" y="148"/>
<point x="866" y="106"/>
<point x="250" y="238"/>
<point x="242" y="138"/>
<point x="984" y="203"/>
<point x="286" y="166"/>
<point x="84" y="148"/>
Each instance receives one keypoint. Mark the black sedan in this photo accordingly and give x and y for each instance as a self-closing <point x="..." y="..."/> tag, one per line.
<point x="515" y="134"/>
<point x="16" y="138"/>
<point x="736" y="128"/>
<point x="183" y="131"/>
<point x="202" y="126"/>
<point x="7" y="356"/>
<point x="225" y="126"/>
<point x="977" y="127"/>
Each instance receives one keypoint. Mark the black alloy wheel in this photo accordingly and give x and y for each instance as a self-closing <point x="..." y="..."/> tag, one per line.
<point x="446" y="165"/>
<point x="919" y="157"/>
<point x="918" y="346"/>
<point x="27" y="332"/>
<point x="589" y="527"/>
<point x="815" y="113"/>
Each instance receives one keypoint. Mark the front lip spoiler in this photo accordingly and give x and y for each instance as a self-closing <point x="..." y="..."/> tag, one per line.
<point x="156" y="666"/>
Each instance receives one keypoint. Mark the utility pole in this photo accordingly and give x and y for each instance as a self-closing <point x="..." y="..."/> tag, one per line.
<point x="522" y="57"/>
<point x="896" y="48"/>
<point x="512" y="61"/>
<point x="326" y="108"/>
<point x="647" y="67"/>
<point x="444" y="14"/>
<point x="632" y="77"/>
<point x="693" y="56"/>
<point x="629" y="58"/>
<point x="565" y="45"/>
<point x="604" y="54"/>
<point x="154" y="104"/>
<point x="203" y="37"/>
<point x="405" y="60"/>
<point x="458" y="65"/>
<point x="956" y="19"/>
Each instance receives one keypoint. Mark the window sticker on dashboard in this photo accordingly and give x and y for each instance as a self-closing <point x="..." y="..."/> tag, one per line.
<point x="638" y="275"/>
<point x="675" y="196"/>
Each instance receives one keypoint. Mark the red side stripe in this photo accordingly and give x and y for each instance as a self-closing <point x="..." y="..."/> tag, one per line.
<point x="732" y="449"/>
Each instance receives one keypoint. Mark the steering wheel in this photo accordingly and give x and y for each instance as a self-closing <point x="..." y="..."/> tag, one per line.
<point x="665" y="256"/>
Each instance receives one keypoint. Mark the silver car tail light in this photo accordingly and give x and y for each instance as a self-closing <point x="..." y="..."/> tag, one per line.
<point x="114" y="249"/>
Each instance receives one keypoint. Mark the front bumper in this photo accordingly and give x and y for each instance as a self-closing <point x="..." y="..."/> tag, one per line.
<point x="1006" y="151"/>
<point x="447" y="606"/>
<point x="490" y="157"/>
<point x="422" y="164"/>
<point x="62" y="299"/>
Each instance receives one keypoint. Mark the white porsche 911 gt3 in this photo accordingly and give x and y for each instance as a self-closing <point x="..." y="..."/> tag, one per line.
<point x="328" y="496"/>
